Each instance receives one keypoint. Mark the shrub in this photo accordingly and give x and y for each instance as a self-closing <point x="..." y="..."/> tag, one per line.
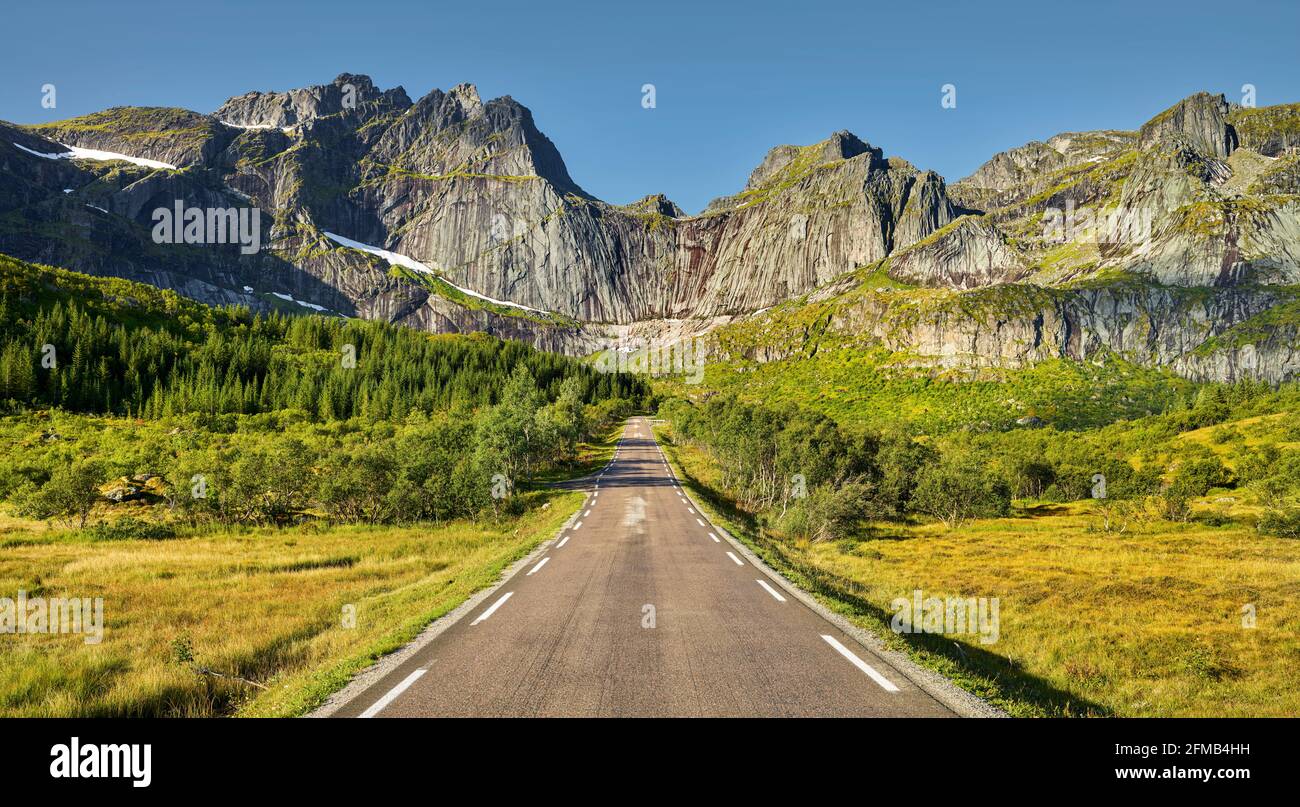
<point x="1282" y="521"/>
<point x="1258" y="464"/>
<point x="129" y="529"/>
<point x="1196" y="477"/>
<point x="958" y="488"/>
<point x="828" y="513"/>
<point x="1173" y="505"/>
<point x="69" y="495"/>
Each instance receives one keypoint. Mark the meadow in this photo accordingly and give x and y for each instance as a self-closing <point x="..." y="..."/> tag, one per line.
<point x="248" y="621"/>
<point x="1178" y="595"/>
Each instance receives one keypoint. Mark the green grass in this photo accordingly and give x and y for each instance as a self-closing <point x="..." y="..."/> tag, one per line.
<point x="878" y="387"/>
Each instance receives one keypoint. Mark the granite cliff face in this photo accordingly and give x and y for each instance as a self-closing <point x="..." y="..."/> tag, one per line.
<point x="486" y="229"/>
<point x="473" y="191"/>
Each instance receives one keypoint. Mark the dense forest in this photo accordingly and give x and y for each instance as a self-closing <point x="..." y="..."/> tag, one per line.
<point x="111" y="346"/>
<point x="120" y="391"/>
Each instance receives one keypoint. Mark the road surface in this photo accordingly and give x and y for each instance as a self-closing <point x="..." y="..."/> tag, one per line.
<point x="641" y="609"/>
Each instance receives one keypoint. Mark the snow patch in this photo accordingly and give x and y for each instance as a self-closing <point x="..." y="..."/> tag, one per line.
<point x="78" y="153"/>
<point x="249" y="126"/>
<point x="289" y="298"/>
<point x="256" y="127"/>
<point x="414" y="265"/>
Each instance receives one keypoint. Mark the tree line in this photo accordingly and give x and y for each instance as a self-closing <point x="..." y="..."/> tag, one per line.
<point x="272" y="418"/>
<point x="810" y="477"/>
<point x="816" y="480"/>
<point x="69" y="356"/>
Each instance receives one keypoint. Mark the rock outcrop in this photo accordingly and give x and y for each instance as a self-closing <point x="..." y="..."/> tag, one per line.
<point x="1199" y="121"/>
<point x="967" y="254"/>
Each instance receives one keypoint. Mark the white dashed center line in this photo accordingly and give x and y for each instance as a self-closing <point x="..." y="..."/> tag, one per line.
<point x="736" y="559"/>
<point x="537" y="568"/>
<point x="715" y="538"/>
<point x="489" y="612"/>
<point x="770" y="590"/>
<point x="562" y="542"/>
<point x="700" y="522"/>
<point x="383" y="702"/>
<point x="884" y="682"/>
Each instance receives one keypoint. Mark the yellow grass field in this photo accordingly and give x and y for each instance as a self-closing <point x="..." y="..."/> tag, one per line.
<point x="1148" y="623"/>
<point x="264" y="605"/>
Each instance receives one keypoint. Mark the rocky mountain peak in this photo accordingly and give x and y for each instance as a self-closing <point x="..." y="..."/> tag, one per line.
<point x="1007" y="168"/>
<point x="360" y="81"/>
<point x="841" y="145"/>
<point x="259" y="110"/>
<point x="658" y="204"/>
<point x="467" y="96"/>
<point x="1199" y="121"/>
<point x="473" y="189"/>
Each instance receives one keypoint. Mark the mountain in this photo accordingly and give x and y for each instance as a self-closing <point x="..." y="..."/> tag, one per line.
<point x="452" y="214"/>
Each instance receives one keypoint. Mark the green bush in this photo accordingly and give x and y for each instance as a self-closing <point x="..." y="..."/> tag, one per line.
<point x="1282" y="522"/>
<point x="1196" y="477"/>
<point x="828" y="513"/>
<point x="129" y="529"/>
<point x="960" y="487"/>
<point x="68" y="495"/>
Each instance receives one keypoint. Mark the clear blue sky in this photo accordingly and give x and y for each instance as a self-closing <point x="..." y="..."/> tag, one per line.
<point x="732" y="78"/>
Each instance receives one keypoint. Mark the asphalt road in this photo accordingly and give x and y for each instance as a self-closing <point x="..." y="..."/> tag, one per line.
<point x="640" y="609"/>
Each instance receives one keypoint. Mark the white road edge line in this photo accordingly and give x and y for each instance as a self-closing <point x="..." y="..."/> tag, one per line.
<point x="699" y="521"/>
<point x="576" y="526"/>
<point x="490" y="611"/>
<point x="381" y="704"/>
<point x="562" y="542"/>
<point x="736" y="559"/>
<point x="715" y="538"/>
<point x="538" y="567"/>
<point x="884" y="682"/>
<point x="768" y="589"/>
<point x="584" y="515"/>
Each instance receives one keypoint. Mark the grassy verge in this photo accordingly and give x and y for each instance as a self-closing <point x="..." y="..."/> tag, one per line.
<point x="1149" y="623"/>
<point x="262" y="605"/>
<point x="592" y="456"/>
